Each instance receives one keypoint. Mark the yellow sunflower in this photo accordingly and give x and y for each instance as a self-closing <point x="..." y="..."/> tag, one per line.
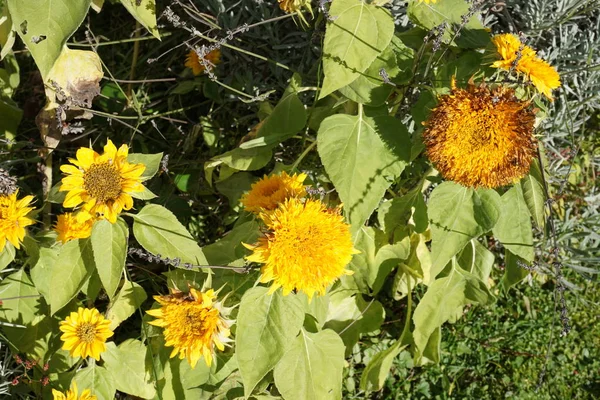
<point x="270" y="191"/>
<point x="428" y="1"/>
<point x="543" y="76"/>
<point x="193" y="324"/>
<point x="293" y="6"/>
<point x="13" y="218"/>
<point x="72" y="394"/>
<point x="481" y="137"/>
<point x="211" y="60"/>
<point x="74" y="226"/>
<point x="85" y="333"/>
<point x="306" y="248"/>
<point x="103" y="182"/>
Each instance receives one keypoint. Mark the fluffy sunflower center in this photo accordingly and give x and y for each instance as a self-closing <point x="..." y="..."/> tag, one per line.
<point x="198" y="320"/>
<point x="86" y="332"/>
<point x="103" y="182"/>
<point x="481" y="137"/>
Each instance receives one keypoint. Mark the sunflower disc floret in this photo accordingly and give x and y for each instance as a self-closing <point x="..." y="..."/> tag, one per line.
<point x="193" y="324"/>
<point x="481" y="137"/>
<point x="270" y="191"/>
<point x="13" y="218"/>
<point x="306" y="247"/>
<point x="85" y="333"/>
<point x="103" y="183"/>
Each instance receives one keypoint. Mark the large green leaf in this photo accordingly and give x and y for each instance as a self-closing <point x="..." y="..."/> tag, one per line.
<point x="151" y="161"/>
<point x="363" y="264"/>
<point x="109" y="243"/>
<point x="357" y="33"/>
<point x="443" y="297"/>
<point x="399" y="211"/>
<point x="287" y="119"/>
<point x="266" y="327"/>
<point x="369" y="88"/>
<point x="11" y="117"/>
<point x="375" y="374"/>
<point x="127" y="364"/>
<point x="73" y="266"/>
<point x="352" y="316"/>
<point x="42" y="269"/>
<point x="144" y="11"/>
<point x="513" y="272"/>
<point x="159" y="232"/>
<point x="130" y="298"/>
<point x="230" y="248"/>
<point x="20" y="299"/>
<point x="533" y="192"/>
<point x="451" y="12"/>
<point x="514" y="228"/>
<point x="98" y="379"/>
<point x="45" y="25"/>
<point x="415" y="269"/>
<point x="476" y="259"/>
<point x="457" y="215"/>
<point x="7" y="255"/>
<point x="312" y="367"/>
<point x="22" y="306"/>
<point x="362" y="156"/>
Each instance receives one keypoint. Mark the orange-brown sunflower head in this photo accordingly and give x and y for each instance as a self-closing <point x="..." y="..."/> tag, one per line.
<point x="194" y="323"/>
<point x="306" y="248"/>
<point x="270" y="191"/>
<point x="208" y="62"/>
<point x="102" y="182"/>
<point x="481" y="137"/>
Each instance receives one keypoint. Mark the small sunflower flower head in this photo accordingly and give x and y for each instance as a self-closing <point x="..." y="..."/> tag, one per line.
<point x="13" y="218"/>
<point x="208" y="62"/>
<point x="194" y="324"/>
<point x="102" y="182"/>
<point x="72" y="394"/>
<point x="71" y="226"/>
<point x="85" y="333"/>
<point x="512" y="54"/>
<point x="306" y="248"/>
<point x="270" y="191"/>
<point x="481" y="137"/>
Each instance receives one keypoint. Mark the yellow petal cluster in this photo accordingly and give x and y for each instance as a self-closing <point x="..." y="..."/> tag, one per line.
<point x="481" y="137"/>
<point x="428" y="1"/>
<point x="514" y="54"/>
<point x="13" y="218"/>
<point x="102" y="182"/>
<point x="71" y="226"/>
<point x="293" y="6"/>
<point x="306" y="248"/>
<point x="211" y="60"/>
<point x="193" y="324"/>
<point x="72" y="394"/>
<point x="270" y="191"/>
<point x="85" y="333"/>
